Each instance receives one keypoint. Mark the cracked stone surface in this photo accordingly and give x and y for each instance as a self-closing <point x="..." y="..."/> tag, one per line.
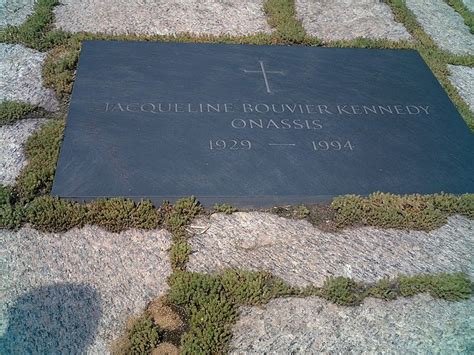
<point x="12" y="139"/>
<point x="162" y="16"/>
<point x="51" y="280"/>
<point x="444" y="25"/>
<point x="463" y="79"/>
<point x="20" y="77"/>
<point x="301" y="254"/>
<point x="332" y="20"/>
<point x="420" y="325"/>
<point x="15" y="12"/>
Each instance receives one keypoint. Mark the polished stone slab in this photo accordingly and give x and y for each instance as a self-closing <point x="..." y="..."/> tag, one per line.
<point x="258" y="125"/>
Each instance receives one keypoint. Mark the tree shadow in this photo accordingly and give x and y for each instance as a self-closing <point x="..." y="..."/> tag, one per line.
<point x="55" y="319"/>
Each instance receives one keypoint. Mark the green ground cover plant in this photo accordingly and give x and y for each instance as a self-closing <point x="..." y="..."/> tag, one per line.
<point x="35" y="32"/>
<point x="142" y="336"/>
<point x="41" y="150"/>
<point x="382" y="210"/>
<point x="51" y="214"/>
<point x="10" y="215"/>
<point x="462" y="10"/>
<point x="59" y="67"/>
<point x="225" y="208"/>
<point x="436" y="58"/>
<point x="12" y="111"/>
<point x="211" y="301"/>
<point x="418" y="212"/>
<point x="450" y="287"/>
<point x="282" y="16"/>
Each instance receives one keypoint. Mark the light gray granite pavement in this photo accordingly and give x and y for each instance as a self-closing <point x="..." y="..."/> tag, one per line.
<point x="110" y="276"/>
<point x="444" y="25"/>
<point x="12" y="139"/>
<point x="463" y="79"/>
<point x="347" y="19"/>
<point x="151" y="17"/>
<point x="301" y="254"/>
<point x="418" y="325"/>
<point x="469" y="4"/>
<point x="20" y="77"/>
<point x="15" y="12"/>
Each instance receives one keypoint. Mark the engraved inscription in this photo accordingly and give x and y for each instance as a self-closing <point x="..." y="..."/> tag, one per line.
<point x="261" y="108"/>
<point x="332" y="145"/>
<point x="265" y="74"/>
<point x="230" y="144"/>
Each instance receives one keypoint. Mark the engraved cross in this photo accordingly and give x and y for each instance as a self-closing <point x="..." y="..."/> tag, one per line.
<point x="264" y="73"/>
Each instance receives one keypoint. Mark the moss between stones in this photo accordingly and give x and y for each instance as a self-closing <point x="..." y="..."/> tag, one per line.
<point x="436" y="59"/>
<point x="59" y="68"/>
<point x="282" y="16"/>
<point x="50" y="214"/>
<point x="35" y="32"/>
<point x="10" y="215"/>
<point x="225" y="208"/>
<point x="142" y="336"/>
<point x="450" y="287"/>
<point x="418" y="212"/>
<point x="462" y="10"/>
<point x="60" y="65"/>
<point x="211" y="301"/>
<point x="11" y="111"/>
<point x="41" y="150"/>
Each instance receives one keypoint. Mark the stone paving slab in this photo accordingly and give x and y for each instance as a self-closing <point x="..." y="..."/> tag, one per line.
<point x="12" y="139"/>
<point x="332" y="20"/>
<point x="444" y="25"/>
<point x="20" y="77"/>
<point x="108" y="276"/>
<point x="469" y="4"/>
<point x="463" y="79"/>
<point x="301" y="254"/>
<point x="15" y="12"/>
<point x="162" y="17"/>
<point x="418" y="325"/>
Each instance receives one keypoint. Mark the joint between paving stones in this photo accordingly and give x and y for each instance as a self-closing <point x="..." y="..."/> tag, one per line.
<point x="217" y="295"/>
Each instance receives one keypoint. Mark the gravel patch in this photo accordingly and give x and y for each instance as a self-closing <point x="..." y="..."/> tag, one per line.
<point x="111" y="276"/>
<point x="445" y="26"/>
<point x="15" y="12"/>
<point x="418" y="325"/>
<point x="163" y="17"/>
<point x="20" y="77"/>
<point x="301" y="254"/>
<point x="332" y="20"/>
<point x="463" y="79"/>
<point x="469" y="4"/>
<point x="12" y="139"/>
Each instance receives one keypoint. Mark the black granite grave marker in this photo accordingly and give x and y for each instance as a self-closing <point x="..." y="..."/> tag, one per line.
<point x="258" y="125"/>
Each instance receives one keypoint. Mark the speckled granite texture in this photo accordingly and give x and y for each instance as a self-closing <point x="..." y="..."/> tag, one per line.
<point x="12" y="139"/>
<point x="56" y="278"/>
<point x="15" y="12"/>
<point x="20" y="77"/>
<point x="162" y="16"/>
<point x="301" y="254"/>
<point x="342" y="19"/>
<point x="417" y="325"/>
<point x="469" y="4"/>
<point x="445" y="26"/>
<point x="463" y="79"/>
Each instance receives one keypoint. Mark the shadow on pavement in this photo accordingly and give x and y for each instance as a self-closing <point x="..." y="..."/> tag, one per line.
<point x="60" y="318"/>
